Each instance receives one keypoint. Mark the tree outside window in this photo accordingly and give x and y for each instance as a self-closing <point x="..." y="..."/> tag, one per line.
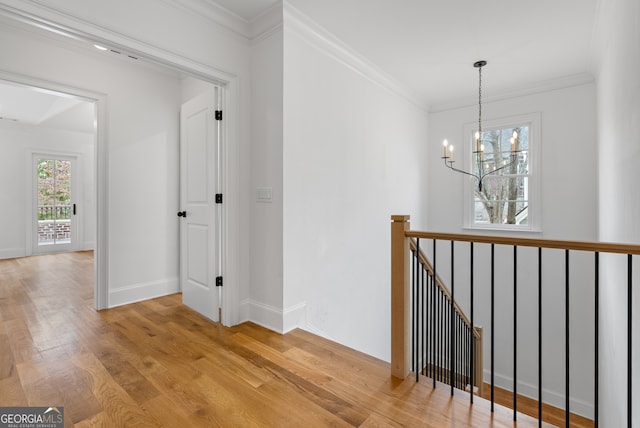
<point x="503" y="197"/>
<point x="54" y="189"/>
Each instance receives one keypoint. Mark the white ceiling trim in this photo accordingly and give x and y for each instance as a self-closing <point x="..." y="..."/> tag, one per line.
<point x="78" y="29"/>
<point x="536" y="88"/>
<point x="216" y="14"/>
<point x="258" y="28"/>
<point x="265" y="24"/>
<point x="323" y="40"/>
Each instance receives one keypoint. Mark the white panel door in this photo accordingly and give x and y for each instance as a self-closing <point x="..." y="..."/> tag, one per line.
<point x="200" y="216"/>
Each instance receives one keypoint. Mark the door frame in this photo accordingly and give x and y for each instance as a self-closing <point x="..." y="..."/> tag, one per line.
<point x="232" y="229"/>
<point x="77" y="193"/>
<point x="100" y="164"/>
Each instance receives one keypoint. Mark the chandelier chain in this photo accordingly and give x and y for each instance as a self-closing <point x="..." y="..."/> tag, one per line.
<point x="480" y="102"/>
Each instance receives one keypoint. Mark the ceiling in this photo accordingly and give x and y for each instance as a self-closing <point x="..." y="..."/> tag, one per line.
<point x="34" y="106"/>
<point x="429" y="46"/>
<point x="426" y="46"/>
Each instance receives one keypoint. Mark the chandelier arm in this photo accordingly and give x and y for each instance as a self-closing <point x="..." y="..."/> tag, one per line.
<point x="450" y="166"/>
<point x="515" y="158"/>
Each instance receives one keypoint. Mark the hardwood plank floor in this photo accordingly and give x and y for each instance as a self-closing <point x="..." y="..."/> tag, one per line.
<point x="159" y="364"/>
<point x="529" y="406"/>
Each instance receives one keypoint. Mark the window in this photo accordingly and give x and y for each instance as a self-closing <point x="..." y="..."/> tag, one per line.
<point x="505" y="157"/>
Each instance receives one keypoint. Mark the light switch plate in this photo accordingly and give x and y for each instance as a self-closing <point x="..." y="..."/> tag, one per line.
<point x="264" y="194"/>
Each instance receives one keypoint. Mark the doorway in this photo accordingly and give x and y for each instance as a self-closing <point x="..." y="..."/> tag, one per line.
<point x="111" y="290"/>
<point x="48" y="148"/>
<point x="55" y="198"/>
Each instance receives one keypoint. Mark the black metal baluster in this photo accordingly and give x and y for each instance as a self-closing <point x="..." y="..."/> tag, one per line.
<point x="433" y="329"/>
<point x="416" y="306"/>
<point x="425" y="337"/>
<point x="428" y="324"/>
<point x="459" y="354"/>
<point x="456" y="371"/>
<point x="436" y="303"/>
<point x="596" y="341"/>
<point x="438" y="333"/>
<point x="453" y="332"/>
<point x="472" y="362"/>
<point x="445" y="323"/>
<point x="629" y="337"/>
<point x="433" y="336"/>
<point x="439" y="330"/>
<point x="413" y="312"/>
<point x="540" y="337"/>
<point x="467" y="366"/>
<point x="492" y="321"/>
<point x="567" y="347"/>
<point x="423" y="334"/>
<point x="515" y="332"/>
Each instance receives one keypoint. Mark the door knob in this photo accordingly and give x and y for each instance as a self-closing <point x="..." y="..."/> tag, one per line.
<point x="182" y="214"/>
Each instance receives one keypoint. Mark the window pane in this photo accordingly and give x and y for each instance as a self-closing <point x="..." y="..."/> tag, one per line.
<point x="502" y="200"/>
<point x="501" y="157"/>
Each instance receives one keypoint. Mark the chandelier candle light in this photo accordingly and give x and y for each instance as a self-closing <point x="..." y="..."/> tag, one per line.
<point x="482" y="169"/>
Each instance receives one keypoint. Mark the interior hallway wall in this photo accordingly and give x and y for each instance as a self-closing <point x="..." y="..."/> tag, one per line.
<point x="618" y="44"/>
<point x="354" y="154"/>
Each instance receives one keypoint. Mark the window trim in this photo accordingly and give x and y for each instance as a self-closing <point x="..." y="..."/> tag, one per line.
<point x="533" y="120"/>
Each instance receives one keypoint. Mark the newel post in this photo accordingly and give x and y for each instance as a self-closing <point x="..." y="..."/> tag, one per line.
<point x="400" y="299"/>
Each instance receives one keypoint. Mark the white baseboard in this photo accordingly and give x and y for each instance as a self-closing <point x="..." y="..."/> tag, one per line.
<point x="273" y="318"/>
<point x="553" y="398"/>
<point x="265" y="315"/>
<point x="88" y="245"/>
<point x="138" y="292"/>
<point x="244" y="311"/>
<point x="294" y="317"/>
<point x="12" y="253"/>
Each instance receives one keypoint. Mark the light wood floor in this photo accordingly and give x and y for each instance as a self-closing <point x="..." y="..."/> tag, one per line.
<point x="157" y="363"/>
<point x="528" y="406"/>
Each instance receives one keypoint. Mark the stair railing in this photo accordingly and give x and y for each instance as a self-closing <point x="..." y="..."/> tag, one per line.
<point x="453" y="358"/>
<point x="413" y="280"/>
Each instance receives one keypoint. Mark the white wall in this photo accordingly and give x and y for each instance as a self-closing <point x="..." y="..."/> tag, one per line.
<point x="17" y="141"/>
<point x="618" y="44"/>
<point x="264" y="304"/>
<point x="354" y="154"/>
<point x="569" y="211"/>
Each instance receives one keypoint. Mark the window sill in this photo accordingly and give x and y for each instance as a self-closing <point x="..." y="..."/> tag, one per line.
<point x="503" y="228"/>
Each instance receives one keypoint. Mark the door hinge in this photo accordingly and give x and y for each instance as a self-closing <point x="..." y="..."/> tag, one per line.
<point x="218" y="198"/>
<point x="218" y="114"/>
<point x="218" y="281"/>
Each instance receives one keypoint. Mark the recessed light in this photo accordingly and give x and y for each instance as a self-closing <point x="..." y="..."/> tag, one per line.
<point x="102" y="48"/>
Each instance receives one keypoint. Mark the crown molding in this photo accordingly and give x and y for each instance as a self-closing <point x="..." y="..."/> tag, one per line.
<point x="215" y="13"/>
<point x="316" y="35"/>
<point x="267" y="23"/>
<point x="68" y="25"/>
<point x="251" y="31"/>
<point x="536" y="88"/>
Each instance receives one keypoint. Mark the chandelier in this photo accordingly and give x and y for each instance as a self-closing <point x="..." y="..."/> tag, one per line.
<point x="481" y="167"/>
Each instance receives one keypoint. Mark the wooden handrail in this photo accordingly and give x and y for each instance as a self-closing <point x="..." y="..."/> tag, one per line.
<point x="602" y="247"/>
